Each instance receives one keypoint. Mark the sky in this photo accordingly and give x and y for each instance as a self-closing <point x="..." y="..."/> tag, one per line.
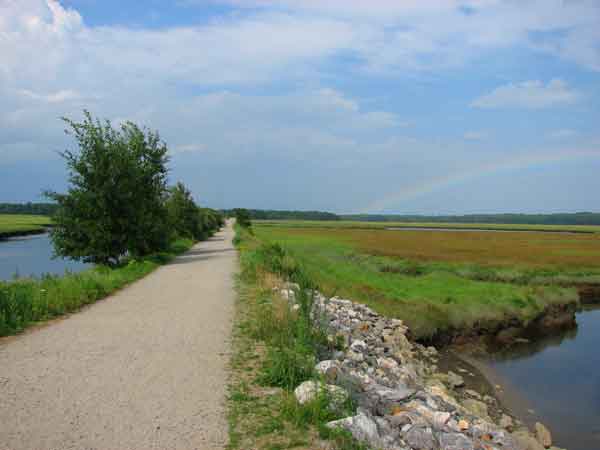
<point x="411" y="107"/>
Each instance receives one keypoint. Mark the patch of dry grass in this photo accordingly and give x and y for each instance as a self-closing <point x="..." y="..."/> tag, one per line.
<point x="481" y="247"/>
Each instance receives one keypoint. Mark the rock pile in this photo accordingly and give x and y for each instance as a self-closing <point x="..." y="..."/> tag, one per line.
<point x="402" y="402"/>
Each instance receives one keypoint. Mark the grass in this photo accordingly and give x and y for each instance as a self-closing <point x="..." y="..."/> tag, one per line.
<point x="15" y="224"/>
<point x="450" y="225"/>
<point x="444" y="281"/>
<point x="275" y="349"/>
<point x="24" y="302"/>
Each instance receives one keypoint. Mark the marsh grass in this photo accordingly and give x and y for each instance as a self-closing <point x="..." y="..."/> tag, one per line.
<point x="15" y="224"/>
<point x="30" y="300"/>
<point x="275" y="349"/>
<point x="432" y="295"/>
<point x="367" y="225"/>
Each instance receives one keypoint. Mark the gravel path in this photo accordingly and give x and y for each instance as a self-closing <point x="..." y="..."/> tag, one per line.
<point x="143" y="369"/>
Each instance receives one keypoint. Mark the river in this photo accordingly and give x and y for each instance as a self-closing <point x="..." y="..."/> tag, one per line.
<point x="556" y="380"/>
<point x="32" y="255"/>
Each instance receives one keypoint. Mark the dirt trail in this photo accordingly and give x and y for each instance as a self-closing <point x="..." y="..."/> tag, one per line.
<point x="143" y="369"/>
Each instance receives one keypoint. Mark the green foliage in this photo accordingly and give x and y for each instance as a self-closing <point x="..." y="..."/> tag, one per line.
<point x="115" y="204"/>
<point x="269" y="214"/>
<point x="25" y="301"/>
<point x="39" y="209"/>
<point x="242" y="217"/>
<point x="184" y="216"/>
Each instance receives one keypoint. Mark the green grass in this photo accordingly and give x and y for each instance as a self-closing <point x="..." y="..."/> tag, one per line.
<point x="275" y="349"/>
<point x="450" y="225"/>
<point x="430" y="296"/>
<point x="14" y="224"/>
<point x="24" y="302"/>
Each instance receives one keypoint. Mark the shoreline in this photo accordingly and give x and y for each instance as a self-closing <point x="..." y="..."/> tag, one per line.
<point x="5" y="235"/>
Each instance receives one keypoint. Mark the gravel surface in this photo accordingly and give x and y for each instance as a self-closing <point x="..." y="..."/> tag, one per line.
<point x="143" y="369"/>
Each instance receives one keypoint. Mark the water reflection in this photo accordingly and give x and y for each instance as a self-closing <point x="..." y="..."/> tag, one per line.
<point x="559" y="377"/>
<point x="536" y="343"/>
<point x="32" y="255"/>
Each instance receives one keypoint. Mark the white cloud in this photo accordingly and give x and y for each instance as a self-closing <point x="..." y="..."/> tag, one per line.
<point x="52" y="97"/>
<point x="529" y="94"/>
<point x="418" y="34"/>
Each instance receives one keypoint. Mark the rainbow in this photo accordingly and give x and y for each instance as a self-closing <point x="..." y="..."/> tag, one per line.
<point x="435" y="184"/>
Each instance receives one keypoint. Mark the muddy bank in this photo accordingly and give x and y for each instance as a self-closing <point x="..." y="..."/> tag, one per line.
<point x="13" y="234"/>
<point x="554" y="318"/>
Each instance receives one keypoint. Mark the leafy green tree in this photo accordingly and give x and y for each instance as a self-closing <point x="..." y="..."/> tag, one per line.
<point x="115" y="203"/>
<point x="184" y="217"/>
<point x="242" y="217"/>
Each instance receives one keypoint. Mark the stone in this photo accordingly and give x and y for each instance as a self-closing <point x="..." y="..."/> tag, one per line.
<point x="355" y="356"/>
<point x="455" y="441"/>
<point x="400" y="418"/>
<point x="359" y="346"/>
<point x="506" y="422"/>
<point x="421" y="438"/>
<point x="329" y="369"/>
<point x="463" y="425"/>
<point x="455" y="380"/>
<point x="473" y="394"/>
<point x="309" y="390"/>
<point x="476" y="407"/>
<point x="526" y="441"/>
<point x="361" y="426"/>
<point x="542" y="434"/>
<point x="440" y="418"/>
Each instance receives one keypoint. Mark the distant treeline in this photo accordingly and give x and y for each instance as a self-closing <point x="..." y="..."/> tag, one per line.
<point x="267" y="214"/>
<point x="580" y="218"/>
<point x="40" y="209"/>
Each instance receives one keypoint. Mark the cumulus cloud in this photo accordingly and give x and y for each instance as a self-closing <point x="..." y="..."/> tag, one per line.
<point x="428" y="35"/>
<point x="529" y="94"/>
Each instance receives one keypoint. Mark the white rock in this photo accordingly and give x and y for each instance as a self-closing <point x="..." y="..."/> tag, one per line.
<point x="308" y="391"/>
<point x="329" y="369"/>
<point x="362" y="427"/>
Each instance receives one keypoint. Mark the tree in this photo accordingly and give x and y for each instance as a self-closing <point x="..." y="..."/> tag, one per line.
<point x="184" y="215"/>
<point x="115" y="203"/>
<point x="242" y="217"/>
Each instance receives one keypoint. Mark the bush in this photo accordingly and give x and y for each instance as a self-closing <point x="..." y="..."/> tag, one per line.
<point x="115" y="203"/>
<point x="242" y="217"/>
<point x="184" y="216"/>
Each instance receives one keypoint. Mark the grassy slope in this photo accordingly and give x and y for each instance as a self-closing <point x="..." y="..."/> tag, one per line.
<point x="458" y="226"/>
<point x="274" y="350"/>
<point x="429" y="297"/>
<point x="27" y="301"/>
<point x="13" y="224"/>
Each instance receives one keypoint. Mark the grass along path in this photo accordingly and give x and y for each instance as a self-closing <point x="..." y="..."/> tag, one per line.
<point x="274" y="350"/>
<point x="26" y="301"/>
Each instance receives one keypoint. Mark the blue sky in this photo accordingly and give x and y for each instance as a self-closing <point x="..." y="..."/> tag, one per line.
<point x="454" y="106"/>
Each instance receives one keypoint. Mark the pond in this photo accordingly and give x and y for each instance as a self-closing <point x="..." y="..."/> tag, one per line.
<point x="32" y="255"/>
<point x="556" y="380"/>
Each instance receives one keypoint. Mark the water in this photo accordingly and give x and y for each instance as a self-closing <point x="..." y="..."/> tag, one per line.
<point x="32" y="255"/>
<point x="557" y="382"/>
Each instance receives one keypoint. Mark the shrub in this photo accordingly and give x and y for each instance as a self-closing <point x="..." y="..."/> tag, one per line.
<point x="115" y="202"/>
